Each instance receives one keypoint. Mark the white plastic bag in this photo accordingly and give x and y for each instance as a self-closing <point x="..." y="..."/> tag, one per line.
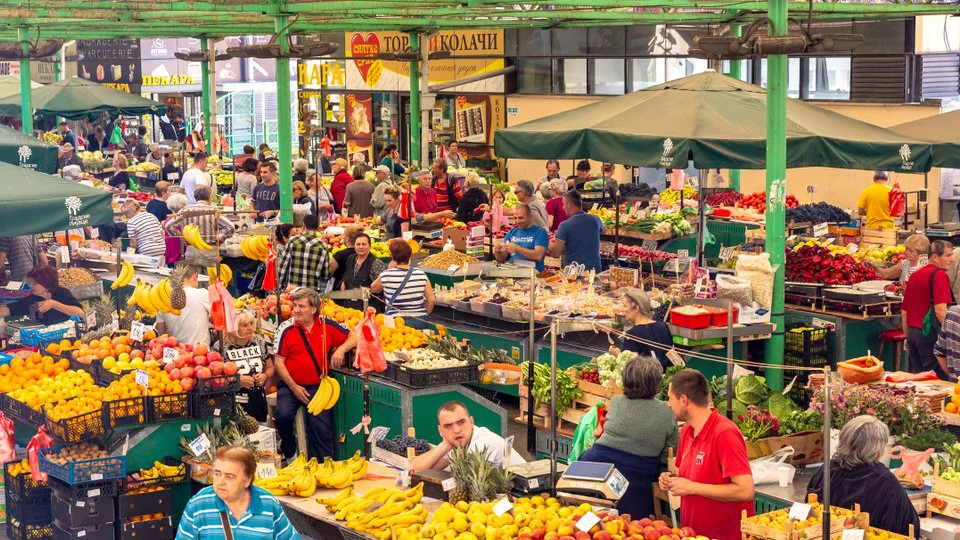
<point x="735" y="289"/>
<point x="766" y="469"/>
<point x="757" y="270"/>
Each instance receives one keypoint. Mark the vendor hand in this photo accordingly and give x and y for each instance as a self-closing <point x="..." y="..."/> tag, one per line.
<point x="246" y="381"/>
<point x="337" y="359"/>
<point x="614" y="350"/>
<point x="664" y="480"/>
<point x="260" y="379"/>
<point x="682" y="487"/>
<point x="447" y="214"/>
<point x="510" y="248"/>
<point x="44" y="306"/>
<point x="300" y="393"/>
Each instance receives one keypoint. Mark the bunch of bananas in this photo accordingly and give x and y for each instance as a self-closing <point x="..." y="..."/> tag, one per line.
<point x="326" y="396"/>
<point x="126" y="274"/>
<point x="153" y="299"/>
<point x="160" y="470"/>
<point x="400" y="510"/>
<point x="191" y="233"/>
<point x="256" y="247"/>
<point x="146" y="166"/>
<point x="226" y="274"/>
<point x="302" y="478"/>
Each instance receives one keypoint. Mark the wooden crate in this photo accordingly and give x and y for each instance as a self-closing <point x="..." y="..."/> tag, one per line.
<point x="753" y="528"/>
<point x="541" y="415"/>
<point x="843" y="231"/>
<point x="603" y="392"/>
<point x="942" y="486"/>
<point x="879" y="237"/>
<point x="938" y="503"/>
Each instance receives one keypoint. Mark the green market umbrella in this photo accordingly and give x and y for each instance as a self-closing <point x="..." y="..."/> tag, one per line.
<point x="10" y="85"/>
<point x="36" y="203"/>
<point x="714" y="120"/>
<point x="23" y="150"/>
<point x="942" y="132"/>
<point x="75" y="98"/>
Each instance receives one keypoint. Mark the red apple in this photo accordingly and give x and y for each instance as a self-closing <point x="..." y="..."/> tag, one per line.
<point x="651" y="534"/>
<point x="203" y="373"/>
<point x="136" y="353"/>
<point x="646" y="522"/>
<point x="201" y="349"/>
<point x="169" y="367"/>
<point x="214" y="356"/>
<point x="187" y="384"/>
<point x="200" y="360"/>
<point x="580" y="535"/>
<point x="216" y="368"/>
<point x="687" y="532"/>
<point x="659" y="524"/>
<point x="230" y="368"/>
<point x="665" y="531"/>
<point x="149" y="357"/>
<point x="187" y="372"/>
<point x="175" y="373"/>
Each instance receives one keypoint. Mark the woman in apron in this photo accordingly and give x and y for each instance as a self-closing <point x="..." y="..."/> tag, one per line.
<point x="255" y="366"/>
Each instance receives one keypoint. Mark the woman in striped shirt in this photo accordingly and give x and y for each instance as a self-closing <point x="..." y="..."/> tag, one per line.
<point x="144" y="231"/>
<point x="406" y="290"/>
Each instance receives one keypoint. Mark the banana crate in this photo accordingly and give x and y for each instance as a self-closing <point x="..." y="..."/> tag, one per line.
<point x="165" y="472"/>
<point x="777" y="526"/>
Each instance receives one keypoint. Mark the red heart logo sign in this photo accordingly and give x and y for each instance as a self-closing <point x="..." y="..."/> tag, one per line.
<point x="364" y="46"/>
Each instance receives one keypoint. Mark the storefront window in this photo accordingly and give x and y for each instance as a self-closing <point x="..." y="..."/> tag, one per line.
<point x="793" y="76"/>
<point x="533" y="42"/>
<point x="608" y="76"/>
<point x="606" y="41"/>
<point x="570" y="76"/>
<point x="386" y="121"/>
<point x="828" y="78"/>
<point x="646" y="72"/>
<point x="534" y="76"/>
<point x="678" y="68"/>
<point x="569" y="42"/>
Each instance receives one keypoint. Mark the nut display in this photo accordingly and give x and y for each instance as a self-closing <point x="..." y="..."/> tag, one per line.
<point x="71" y="277"/>
<point x="444" y="259"/>
<point x="77" y="452"/>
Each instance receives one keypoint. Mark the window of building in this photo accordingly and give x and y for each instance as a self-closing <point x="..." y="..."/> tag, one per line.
<point x="569" y="42"/>
<point x="606" y="41"/>
<point x="609" y="76"/>
<point x="533" y="42"/>
<point x="678" y="68"/>
<point x="646" y="72"/>
<point x="534" y="76"/>
<point x="793" y="76"/>
<point x="570" y="76"/>
<point x="828" y="78"/>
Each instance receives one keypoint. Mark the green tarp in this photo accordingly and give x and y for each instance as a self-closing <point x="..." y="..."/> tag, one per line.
<point x="23" y="150"/>
<point x="943" y="132"/>
<point x="714" y="120"/>
<point x="35" y="203"/>
<point x="10" y="85"/>
<point x="75" y="98"/>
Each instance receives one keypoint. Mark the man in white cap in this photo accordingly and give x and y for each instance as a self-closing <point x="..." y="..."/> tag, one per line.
<point x="67" y="157"/>
<point x="377" y="201"/>
<point x="155" y="156"/>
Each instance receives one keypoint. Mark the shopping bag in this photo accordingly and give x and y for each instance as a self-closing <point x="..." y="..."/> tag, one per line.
<point x="39" y="441"/>
<point x="583" y="438"/>
<point x="766" y="469"/>
<point x="897" y="200"/>
<point x="369" y="352"/>
<point x="270" y="271"/>
<point x="7" y="451"/>
<point x="909" y="472"/>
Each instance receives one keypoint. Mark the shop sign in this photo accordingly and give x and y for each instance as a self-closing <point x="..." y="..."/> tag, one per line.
<point x="109" y="61"/>
<point x="320" y="74"/>
<point x="359" y="116"/>
<point x="173" y="72"/>
<point x="40" y="72"/>
<point x="477" y="118"/>
<point x="164" y="48"/>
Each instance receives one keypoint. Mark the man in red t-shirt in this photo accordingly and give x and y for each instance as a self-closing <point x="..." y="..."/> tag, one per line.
<point x="918" y="298"/>
<point x="441" y="179"/>
<point x="300" y="376"/>
<point x="714" y="479"/>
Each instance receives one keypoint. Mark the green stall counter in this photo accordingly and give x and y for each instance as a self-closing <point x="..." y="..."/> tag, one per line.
<point x="850" y="336"/>
<point x="398" y="407"/>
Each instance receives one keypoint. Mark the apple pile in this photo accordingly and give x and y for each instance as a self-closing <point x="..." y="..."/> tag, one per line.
<point x="268" y="306"/>
<point x="193" y="362"/>
<point x="613" y="528"/>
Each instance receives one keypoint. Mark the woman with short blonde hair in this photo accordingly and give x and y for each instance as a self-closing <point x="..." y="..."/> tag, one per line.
<point x="248" y="350"/>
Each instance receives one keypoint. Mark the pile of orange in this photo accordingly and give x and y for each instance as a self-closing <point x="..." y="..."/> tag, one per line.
<point x="86" y="403"/>
<point x="953" y="406"/>
<point x="392" y="339"/>
<point x="146" y="517"/>
<point x="47" y="389"/>
<point x="64" y="345"/>
<point x="22" y="372"/>
<point x="126" y="387"/>
<point x="104" y="347"/>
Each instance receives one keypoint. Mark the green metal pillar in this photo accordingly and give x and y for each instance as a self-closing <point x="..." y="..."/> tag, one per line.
<point x="736" y="68"/>
<point x="26" y="96"/>
<point x="284" y="143"/>
<point x="776" y="188"/>
<point x="205" y="95"/>
<point x="415" y="127"/>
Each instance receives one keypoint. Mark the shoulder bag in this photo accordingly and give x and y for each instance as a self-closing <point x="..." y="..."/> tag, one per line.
<point x="931" y="324"/>
<point x="396" y="293"/>
<point x="227" y="531"/>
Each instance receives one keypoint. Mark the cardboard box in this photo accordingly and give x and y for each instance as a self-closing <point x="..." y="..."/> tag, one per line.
<point x="457" y="236"/>
<point x="265" y="439"/>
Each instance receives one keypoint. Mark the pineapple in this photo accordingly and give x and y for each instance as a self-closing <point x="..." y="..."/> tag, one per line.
<point x="248" y="425"/>
<point x="460" y="464"/>
<point x="178" y="297"/>
<point x="481" y="483"/>
<point x="477" y="479"/>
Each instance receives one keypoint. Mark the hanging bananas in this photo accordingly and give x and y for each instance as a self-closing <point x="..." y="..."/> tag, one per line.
<point x="226" y="274"/>
<point x="191" y="233"/>
<point x="153" y="299"/>
<point x="126" y="274"/>
<point x="302" y="478"/>
<point x="256" y="247"/>
<point x="326" y="396"/>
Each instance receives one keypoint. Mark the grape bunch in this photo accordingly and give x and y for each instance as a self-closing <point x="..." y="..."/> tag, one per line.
<point x="398" y="445"/>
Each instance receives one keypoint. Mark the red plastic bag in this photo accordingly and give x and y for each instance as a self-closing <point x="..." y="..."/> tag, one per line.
<point x="897" y="200"/>
<point x="369" y="352"/>
<point x="7" y="452"/>
<point x="39" y="441"/>
<point x="270" y="272"/>
<point x="223" y="314"/>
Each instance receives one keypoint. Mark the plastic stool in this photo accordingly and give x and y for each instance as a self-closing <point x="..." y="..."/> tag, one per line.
<point x="896" y="337"/>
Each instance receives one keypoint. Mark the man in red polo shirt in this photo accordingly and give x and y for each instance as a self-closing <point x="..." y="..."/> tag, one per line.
<point x="714" y="481"/>
<point x="300" y="375"/>
<point x="928" y="288"/>
<point x="445" y="184"/>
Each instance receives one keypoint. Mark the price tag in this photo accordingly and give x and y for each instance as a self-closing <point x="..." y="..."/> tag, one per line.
<point x="828" y="241"/>
<point x="96" y="476"/>
<point x="114" y="324"/>
<point x="800" y="511"/>
<point x="93" y="493"/>
<point x="81" y="533"/>
<point x="821" y="229"/>
<point x="389" y="322"/>
<point x="595" y="207"/>
<point x="727" y="253"/>
<point x="791" y="238"/>
<point x="126" y="444"/>
<point x="378" y="434"/>
<point x="170" y="354"/>
<point x="533" y="483"/>
<point x="13" y="285"/>
<point x="588" y="521"/>
<point x="173" y="176"/>
<point x="650" y="245"/>
<point x="818" y="323"/>
<point x="266" y="470"/>
<point x="502" y="507"/>
<point x="137" y="330"/>
<point x="65" y="255"/>
<point x="131" y="251"/>
<point x="811" y="189"/>
<point x="852" y="248"/>
<point x="407" y="235"/>
<point x="200" y="445"/>
<point x="852" y="534"/>
<point x="453" y="268"/>
<point x="674" y="357"/>
<point x="91" y="319"/>
<point x="507" y="449"/>
<point x="448" y="484"/>
<point x="81" y="504"/>
<point x="790" y="386"/>
<point x="142" y="378"/>
<point x="683" y="254"/>
<point x="216" y="412"/>
<point x="184" y="428"/>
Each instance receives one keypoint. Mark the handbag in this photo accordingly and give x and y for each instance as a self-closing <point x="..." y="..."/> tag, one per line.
<point x="303" y="335"/>
<point x="931" y="324"/>
<point x="396" y="293"/>
<point x="227" y="531"/>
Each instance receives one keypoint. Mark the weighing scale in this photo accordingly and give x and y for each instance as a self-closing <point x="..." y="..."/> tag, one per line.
<point x="533" y="477"/>
<point x="588" y="481"/>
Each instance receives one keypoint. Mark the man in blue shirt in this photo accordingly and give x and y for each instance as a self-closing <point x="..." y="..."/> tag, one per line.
<point x="67" y="135"/>
<point x="578" y="237"/>
<point x="525" y="242"/>
<point x="266" y="196"/>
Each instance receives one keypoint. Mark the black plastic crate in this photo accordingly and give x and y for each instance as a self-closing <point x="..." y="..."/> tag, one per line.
<point x="96" y="532"/>
<point x="77" y="514"/>
<point x="810" y="342"/>
<point x="168" y="407"/>
<point x="133" y="481"/>
<point x="218" y="384"/>
<point x="426" y="378"/>
<point x="139" y="504"/>
<point x="154" y="529"/>
<point x="81" y="472"/>
<point x="799" y="360"/>
<point x="125" y="412"/>
<point x="87" y="490"/>
<point x="220" y="405"/>
<point x="22" y="531"/>
<point x="32" y="509"/>
<point x="22" y="485"/>
<point x="93" y="368"/>
<point x="88" y="425"/>
<point x="21" y="411"/>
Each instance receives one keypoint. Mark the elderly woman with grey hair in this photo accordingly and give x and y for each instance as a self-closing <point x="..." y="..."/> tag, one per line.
<point x="647" y="336"/>
<point x="526" y="193"/>
<point x="858" y="477"/>
<point x="637" y="434"/>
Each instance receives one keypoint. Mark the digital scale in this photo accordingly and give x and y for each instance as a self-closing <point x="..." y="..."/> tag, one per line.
<point x="588" y="481"/>
<point x="533" y="477"/>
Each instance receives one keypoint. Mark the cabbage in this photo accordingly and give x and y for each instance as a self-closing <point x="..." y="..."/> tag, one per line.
<point x="781" y="406"/>
<point x="751" y="389"/>
<point x="739" y="407"/>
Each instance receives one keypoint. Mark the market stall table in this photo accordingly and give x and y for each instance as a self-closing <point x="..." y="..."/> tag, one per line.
<point x="852" y="335"/>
